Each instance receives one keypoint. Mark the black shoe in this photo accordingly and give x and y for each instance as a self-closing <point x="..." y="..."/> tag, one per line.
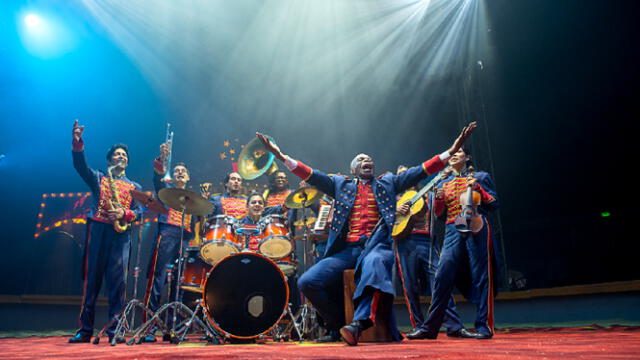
<point x="483" y="336"/>
<point x="80" y="338"/>
<point x="464" y="333"/>
<point x="329" y="337"/>
<point x="166" y="337"/>
<point x="351" y="333"/>
<point x="421" y="334"/>
<point x="119" y="339"/>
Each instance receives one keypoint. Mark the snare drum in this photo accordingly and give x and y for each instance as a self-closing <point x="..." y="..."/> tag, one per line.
<point x="220" y="239"/>
<point x="275" y="242"/>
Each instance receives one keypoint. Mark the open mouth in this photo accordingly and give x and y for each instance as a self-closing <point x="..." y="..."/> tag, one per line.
<point x="367" y="166"/>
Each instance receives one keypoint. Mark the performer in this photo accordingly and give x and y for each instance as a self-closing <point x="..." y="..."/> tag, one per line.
<point x="167" y="243"/>
<point x="230" y="203"/>
<point x="417" y="258"/>
<point x="106" y="251"/>
<point x="360" y="238"/>
<point x="466" y="259"/>
<point x="255" y="211"/>
<point x="278" y="189"/>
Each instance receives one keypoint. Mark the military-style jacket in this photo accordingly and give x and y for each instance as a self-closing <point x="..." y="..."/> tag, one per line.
<point x="98" y="182"/>
<point x="385" y="188"/>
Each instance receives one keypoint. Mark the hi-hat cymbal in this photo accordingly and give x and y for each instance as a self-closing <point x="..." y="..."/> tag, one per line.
<point x="192" y="202"/>
<point x="310" y="222"/>
<point x="303" y="197"/>
<point x="149" y="202"/>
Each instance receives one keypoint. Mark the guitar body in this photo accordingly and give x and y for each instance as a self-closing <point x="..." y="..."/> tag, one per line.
<point x="404" y="223"/>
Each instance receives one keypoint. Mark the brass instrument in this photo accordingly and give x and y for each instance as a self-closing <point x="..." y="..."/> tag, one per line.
<point x="118" y="225"/>
<point x="167" y="161"/>
<point x="255" y="160"/>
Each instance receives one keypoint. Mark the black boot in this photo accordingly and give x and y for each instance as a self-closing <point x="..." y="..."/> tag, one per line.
<point x="351" y="333"/>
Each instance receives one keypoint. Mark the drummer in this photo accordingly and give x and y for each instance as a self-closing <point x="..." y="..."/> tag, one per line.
<point x="255" y="208"/>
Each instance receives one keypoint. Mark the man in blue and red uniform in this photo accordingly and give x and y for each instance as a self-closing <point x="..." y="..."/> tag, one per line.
<point x="230" y="203"/>
<point x="417" y="258"/>
<point x="167" y="243"/>
<point x="278" y="189"/>
<point x="359" y="238"/>
<point x="467" y="260"/>
<point x="106" y="251"/>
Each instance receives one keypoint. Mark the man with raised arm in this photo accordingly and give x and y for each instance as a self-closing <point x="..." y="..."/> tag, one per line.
<point x="106" y="250"/>
<point x="359" y="238"/>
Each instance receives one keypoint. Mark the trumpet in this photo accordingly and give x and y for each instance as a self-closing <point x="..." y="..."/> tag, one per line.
<point x="167" y="160"/>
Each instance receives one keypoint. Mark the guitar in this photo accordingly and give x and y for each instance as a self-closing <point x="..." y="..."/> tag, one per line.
<point x="416" y="201"/>
<point x="469" y="220"/>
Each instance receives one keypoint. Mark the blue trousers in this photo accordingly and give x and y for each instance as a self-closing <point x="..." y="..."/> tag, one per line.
<point x="463" y="255"/>
<point x="164" y="252"/>
<point x="322" y="285"/>
<point x="418" y="260"/>
<point x="106" y="254"/>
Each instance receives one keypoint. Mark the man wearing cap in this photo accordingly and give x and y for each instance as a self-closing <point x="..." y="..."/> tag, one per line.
<point x="106" y="251"/>
<point x="359" y="238"/>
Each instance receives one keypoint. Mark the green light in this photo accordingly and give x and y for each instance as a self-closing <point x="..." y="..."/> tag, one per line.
<point x="605" y="214"/>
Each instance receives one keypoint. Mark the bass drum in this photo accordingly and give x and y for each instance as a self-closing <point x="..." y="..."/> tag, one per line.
<point x="246" y="294"/>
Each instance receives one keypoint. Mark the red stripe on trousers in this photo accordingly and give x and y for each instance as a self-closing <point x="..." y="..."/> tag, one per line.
<point x="404" y="289"/>
<point x="85" y="266"/>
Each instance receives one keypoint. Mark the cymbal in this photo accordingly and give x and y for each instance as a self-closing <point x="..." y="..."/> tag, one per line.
<point x="310" y="222"/>
<point x="193" y="203"/>
<point x="149" y="202"/>
<point x="303" y="197"/>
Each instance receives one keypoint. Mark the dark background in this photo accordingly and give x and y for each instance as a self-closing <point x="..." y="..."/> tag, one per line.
<point x="556" y="97"/>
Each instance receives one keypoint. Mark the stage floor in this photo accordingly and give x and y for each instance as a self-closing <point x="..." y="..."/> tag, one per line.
<point x="573" y="343"/>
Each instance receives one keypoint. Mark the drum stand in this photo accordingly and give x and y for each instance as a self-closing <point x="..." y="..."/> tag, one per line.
<point x="123" y="326"/>
<point x="304" y="320"/>
<point x="177" y="333"/>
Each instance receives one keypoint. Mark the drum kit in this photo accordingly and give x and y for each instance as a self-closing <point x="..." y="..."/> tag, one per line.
<point x="232" y="281"/>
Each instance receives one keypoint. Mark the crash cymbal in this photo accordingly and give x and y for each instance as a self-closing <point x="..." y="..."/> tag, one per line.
<point x="192" y="202"/>
<point x="303" y="197"/>
<point x="149" y="202"/>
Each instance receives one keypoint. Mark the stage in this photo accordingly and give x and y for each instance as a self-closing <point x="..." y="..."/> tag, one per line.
<point x="614" y="342"/>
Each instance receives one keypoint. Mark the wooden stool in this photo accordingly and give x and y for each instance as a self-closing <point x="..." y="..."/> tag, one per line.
<point x="379" y="332"/>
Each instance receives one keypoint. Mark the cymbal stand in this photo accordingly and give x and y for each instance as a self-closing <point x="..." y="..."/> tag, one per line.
<point x="305" y="321"/>
<point x="123" y="326"/>
<point x="176" y="306"/>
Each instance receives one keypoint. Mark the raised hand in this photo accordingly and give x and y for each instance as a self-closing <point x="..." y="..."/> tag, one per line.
<point x="77" y="131"/>
<point x="272" y="147"/>
<point x="464" y="134"/>
<point x="164" y="151"/>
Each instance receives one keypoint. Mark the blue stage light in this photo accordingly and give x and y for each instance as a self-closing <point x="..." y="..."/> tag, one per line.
<point x="45" y="35"/>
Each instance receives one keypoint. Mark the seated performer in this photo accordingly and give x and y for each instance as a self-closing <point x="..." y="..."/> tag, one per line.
<point x="106" y="249"/>
<point x="465" y="256"/>
<point x="417" y="260"/>
<point x="167" y="243"/>
<point x="230" y="203"/>
<point x="255" y="211"/>
<point x="360" y="238"/>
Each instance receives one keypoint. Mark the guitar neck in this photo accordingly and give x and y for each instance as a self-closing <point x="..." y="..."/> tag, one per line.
<point x="426" y="188"/>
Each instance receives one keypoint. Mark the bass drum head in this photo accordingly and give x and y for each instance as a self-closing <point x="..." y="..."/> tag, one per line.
<point x="245" y="294"/>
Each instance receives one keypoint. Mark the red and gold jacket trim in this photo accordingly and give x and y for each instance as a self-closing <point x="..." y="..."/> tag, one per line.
<point x="123" y="190"/>
<point x="275" y="199"/>
<point x="234" y="206"/>
<point x="451" y="202"/>
<point x="364" y="215"/>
